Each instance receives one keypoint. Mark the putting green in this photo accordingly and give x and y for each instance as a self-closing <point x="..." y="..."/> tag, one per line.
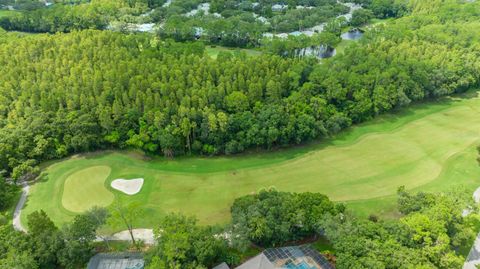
<point x="85" y="189"/>
<point x="425" y="147"/>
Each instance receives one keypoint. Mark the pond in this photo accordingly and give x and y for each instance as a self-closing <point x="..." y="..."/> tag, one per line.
<point x="353" y="34"/>
<point x="320" y="52"/>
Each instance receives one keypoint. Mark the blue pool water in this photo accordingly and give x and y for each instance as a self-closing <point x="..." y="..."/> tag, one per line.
<point x="302" y="265"/>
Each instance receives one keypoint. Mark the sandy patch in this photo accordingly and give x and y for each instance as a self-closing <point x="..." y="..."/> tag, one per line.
<point x="146" y="235"/>
<point x="128" y="186"/>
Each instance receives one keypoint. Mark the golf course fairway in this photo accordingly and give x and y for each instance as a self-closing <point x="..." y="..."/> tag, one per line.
<point x="425" y="147"/>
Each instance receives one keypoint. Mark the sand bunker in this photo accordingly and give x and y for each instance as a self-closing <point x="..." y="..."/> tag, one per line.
<point x="128" y="186"/>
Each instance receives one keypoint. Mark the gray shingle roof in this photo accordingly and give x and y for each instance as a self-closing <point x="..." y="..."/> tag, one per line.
<point x="222" y="266"/>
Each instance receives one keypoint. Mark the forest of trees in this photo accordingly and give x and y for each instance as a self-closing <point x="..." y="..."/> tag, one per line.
<point x="7" y="193"/>
<point x="48" y="246"/>
<point x="66" y="16"/>
<point x="89" y="90"/>
<point x="429" y="234"/>
<point x="272" y="218"/>
<point x="383" y="9"/>
<point x="227" y="23"/>
<point x="234" y="25"/>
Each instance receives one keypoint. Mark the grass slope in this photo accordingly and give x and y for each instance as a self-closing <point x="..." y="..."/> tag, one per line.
<point x="85" y="189"/>
<point x="426" y="147"/>
<point x="213" y="51"/>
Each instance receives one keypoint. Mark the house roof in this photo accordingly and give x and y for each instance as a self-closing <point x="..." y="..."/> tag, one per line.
<point x="258" y="262"/>
<point x="295" y="257"/>
<point x="222" y="266"/>
<point x="124" y="260"/>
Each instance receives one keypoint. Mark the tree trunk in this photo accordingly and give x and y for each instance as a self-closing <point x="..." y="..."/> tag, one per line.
<point x="130" y="230"/>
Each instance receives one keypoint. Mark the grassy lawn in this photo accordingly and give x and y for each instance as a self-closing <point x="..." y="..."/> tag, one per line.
<point x="376" y="21"/>
<point x="323" y="245"/>
<point x="6" y="13"/>
<point x="213" y="51"/>
<point x="425" y="147"/>
<point x="88" y="182"/>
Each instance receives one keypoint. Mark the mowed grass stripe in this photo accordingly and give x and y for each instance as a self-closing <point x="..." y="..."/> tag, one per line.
<point x="363" y="166"/>
<point x="85" y="189"/>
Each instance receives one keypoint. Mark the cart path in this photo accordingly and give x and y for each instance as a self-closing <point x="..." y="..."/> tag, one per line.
<point x="17" y="224"/>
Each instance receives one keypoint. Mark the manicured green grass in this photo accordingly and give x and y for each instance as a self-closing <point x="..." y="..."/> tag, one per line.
<point x="340" y="48"/>
<point x="425" y="147"/>
<point x="6" y="13"/>
<point x="85" y="189"/>
<point x="213" y="51"/>
<point x="376" y="21"/>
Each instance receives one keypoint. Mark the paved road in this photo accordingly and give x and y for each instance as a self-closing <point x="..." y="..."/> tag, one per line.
<point x="17" y="224"/>
<point x="474" y="256"/>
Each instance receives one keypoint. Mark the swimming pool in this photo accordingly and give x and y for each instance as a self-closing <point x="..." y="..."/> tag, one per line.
<point x="301" y="265"/>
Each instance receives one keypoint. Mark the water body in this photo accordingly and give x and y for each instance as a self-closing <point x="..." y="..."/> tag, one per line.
<point x="320" y="52"/>
<point x="354" y="34"/>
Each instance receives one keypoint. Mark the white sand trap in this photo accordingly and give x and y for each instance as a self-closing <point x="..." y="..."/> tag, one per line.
<point x="128" y="186"/>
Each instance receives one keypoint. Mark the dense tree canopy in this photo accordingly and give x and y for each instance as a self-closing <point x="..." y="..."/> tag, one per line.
<point x="181" y="243"/>
<point x="66" y="16"/>
<point x="46" y="246"/>
<point x="271" y="218"/>
<point x="383" y="9"/>
<point x="427" y="236"/>
<point x="245" y="20"/>
<point x="7" y="193"/>
<point x="90" y="90"/>
<point x="221" y="22"/>
<point x="361" y="17"/>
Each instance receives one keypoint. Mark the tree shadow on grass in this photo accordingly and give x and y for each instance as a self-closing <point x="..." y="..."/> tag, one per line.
<point x="43" y="177"/>
<point x="99" y="154"/>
